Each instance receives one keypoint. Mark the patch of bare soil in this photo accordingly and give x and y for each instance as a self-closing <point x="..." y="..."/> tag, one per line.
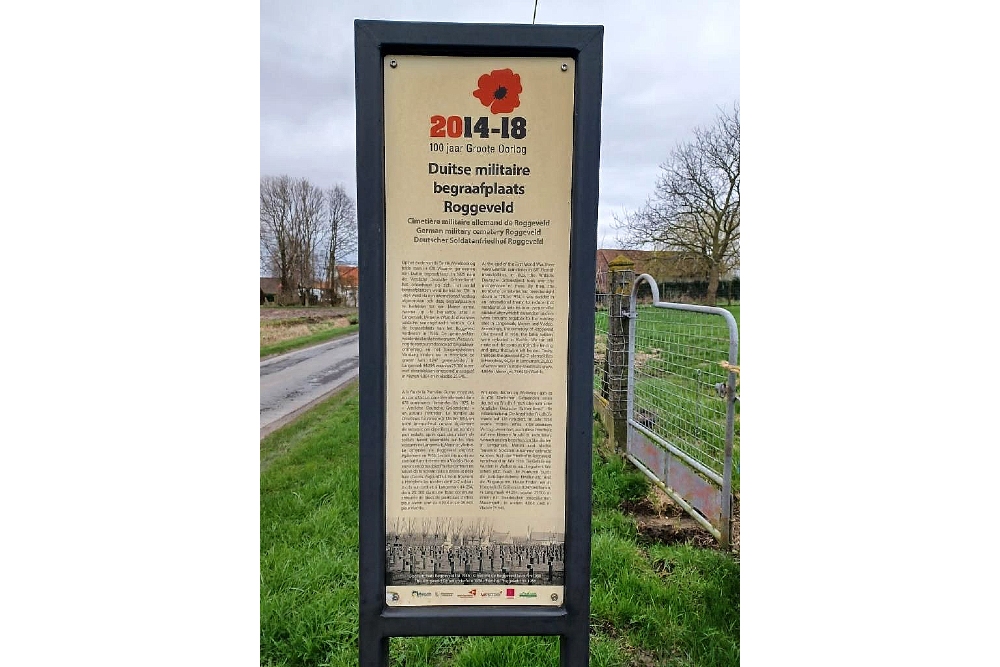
<point x="662" y="521"/>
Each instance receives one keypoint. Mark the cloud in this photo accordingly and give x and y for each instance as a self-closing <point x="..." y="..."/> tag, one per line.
<point x="668" y="67"/>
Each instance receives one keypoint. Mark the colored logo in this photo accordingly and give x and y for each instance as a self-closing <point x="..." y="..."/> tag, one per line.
<point x="510" y="592"/>
<point x="499" y="90"/>
<point x="527" y="594"/>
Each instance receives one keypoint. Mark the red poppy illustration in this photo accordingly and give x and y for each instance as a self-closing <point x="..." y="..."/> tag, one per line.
<point x="499" y="90"/>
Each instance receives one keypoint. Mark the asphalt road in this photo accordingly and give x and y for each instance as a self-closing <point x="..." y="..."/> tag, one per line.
<point x="292" y="382"/>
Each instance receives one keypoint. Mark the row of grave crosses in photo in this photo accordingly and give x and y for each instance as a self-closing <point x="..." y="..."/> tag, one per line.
<point x="530" y="559"/>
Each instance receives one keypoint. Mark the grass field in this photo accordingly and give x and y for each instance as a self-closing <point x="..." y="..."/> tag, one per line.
<point x="651" y="603"/>
<point x="286" y="329"/>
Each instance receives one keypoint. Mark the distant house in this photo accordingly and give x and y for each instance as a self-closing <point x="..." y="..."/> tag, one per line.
<point x="270" y="288"/>
<point x="546" y="537"/>
<point x="345" y="289"/>
<point x="347" y="278"/>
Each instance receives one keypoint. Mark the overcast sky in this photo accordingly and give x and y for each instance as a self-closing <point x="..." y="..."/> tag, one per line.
<point x="668" y="67"/>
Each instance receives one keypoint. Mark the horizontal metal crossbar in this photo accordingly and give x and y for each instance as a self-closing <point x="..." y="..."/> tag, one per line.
<point x="711" y="474"/>
<point x="468" y="621"/>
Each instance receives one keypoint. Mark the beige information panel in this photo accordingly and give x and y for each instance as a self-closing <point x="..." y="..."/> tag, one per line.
<point x="478" y="158"/>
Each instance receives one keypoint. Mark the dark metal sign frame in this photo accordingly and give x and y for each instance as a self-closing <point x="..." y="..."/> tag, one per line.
<point x="373" y="41"/>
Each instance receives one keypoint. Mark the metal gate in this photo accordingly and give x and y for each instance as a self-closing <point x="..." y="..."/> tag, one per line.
<point x="682" y="403"/>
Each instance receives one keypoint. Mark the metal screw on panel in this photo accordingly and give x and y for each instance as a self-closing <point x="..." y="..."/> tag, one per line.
<point x="563" y="67"/>
<point x="392" y="63"/>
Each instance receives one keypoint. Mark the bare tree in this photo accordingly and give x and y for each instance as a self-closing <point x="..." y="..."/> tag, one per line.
<point x="695" y="206"/>
<point x="307" y="222"/>
<point x="426" y="526"/>
<point x="448" y="527"/>
<point x="485" y="529"/>
<point x="341" y="235"/>
<point x="440" y="528"/>
<point x="276" y="243"/>
<point x="393" y="531"/>
<point x="291" y="227"/>
<point x="476" y="530"/>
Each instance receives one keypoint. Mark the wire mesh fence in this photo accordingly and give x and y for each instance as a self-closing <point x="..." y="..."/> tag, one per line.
<point x="602" y="292"/>
<point x="680" y="381"/>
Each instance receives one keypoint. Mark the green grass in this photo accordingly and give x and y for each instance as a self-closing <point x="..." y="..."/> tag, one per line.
<point x="674" y="604"/>
<point x="306" y="341"/>
<point x="651" y="604"/>
<point x="309" y="537"/>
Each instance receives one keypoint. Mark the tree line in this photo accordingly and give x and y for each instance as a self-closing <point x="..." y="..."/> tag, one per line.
<point x="305" y="232"/>
<point x="695" y="206"/>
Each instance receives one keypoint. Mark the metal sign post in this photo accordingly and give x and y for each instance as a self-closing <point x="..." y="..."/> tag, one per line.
<point x="477" y="154"/>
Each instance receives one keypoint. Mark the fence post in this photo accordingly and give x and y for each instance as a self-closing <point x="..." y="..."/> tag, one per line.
<point x="621" y="273"/>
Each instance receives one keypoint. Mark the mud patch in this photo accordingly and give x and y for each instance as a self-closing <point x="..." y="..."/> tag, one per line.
<point x="661" y="521"/>
<point x="641" y="506"/>
<point x="671" y="530"/>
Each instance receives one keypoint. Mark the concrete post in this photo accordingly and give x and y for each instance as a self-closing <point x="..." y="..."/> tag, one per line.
<point x="621" y="273"/>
